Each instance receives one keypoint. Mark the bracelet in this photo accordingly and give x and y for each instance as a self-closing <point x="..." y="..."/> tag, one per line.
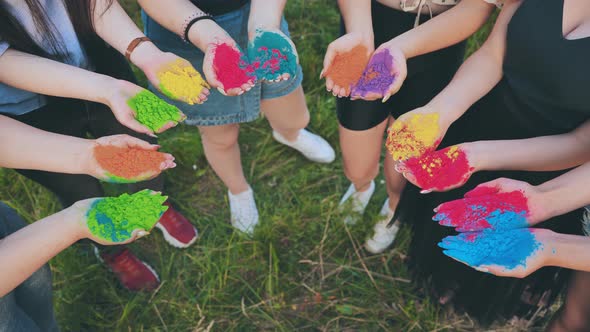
<point x="133" y="45"/>
<point x="191" y="20"/>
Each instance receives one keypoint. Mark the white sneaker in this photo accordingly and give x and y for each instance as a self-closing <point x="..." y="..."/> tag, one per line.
<point x="384" y="234"/>
<point x="359" y="201"/>
<point x="244" y="214"/>
<point x="312" y="146"/>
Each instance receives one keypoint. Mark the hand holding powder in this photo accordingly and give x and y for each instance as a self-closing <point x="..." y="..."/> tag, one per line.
<point x="272" y="55"/>
<point x="499" y="211"/>
<point x="153" y="112"/>
<point x="413" y="135"/>
<point x="130" y="164"/>
<point x="114" y="219"/>
<point x="489" y="249"/>
<point x="439" y="170"/>
<point x="347" y="67"/>
<point x="230" y="66"/>
<point x="377" y="77"/>
<point x="179" y="80"/>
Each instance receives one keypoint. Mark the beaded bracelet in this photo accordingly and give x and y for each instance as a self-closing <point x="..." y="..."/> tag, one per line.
<point x="191" y="20"/>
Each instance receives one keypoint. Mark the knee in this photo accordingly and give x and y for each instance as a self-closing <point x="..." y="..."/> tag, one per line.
<point x="221" y="140"/>
<point x="361" y="173"/>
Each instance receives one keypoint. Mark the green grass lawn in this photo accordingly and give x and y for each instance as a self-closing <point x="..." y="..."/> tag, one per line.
<point x="303" y="270"/>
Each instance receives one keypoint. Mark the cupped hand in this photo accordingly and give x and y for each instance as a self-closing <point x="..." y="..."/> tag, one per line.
<point x="175" y="77"/>
<point x="500" y="204"/>
<point x="345" y="61"/>
<point x="416" y="133"/>
<point x="513" y="253"/>
<point x="383" y="76"/>
<point x="120" y="92"/>
<point x="272" y="55"/>
<point x="440" y="170"/>
<point x="125" y="144"/>
<point x="226" y="67"/>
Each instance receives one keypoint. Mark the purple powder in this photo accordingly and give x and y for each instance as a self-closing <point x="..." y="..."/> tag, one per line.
<point x="377" y="76"/>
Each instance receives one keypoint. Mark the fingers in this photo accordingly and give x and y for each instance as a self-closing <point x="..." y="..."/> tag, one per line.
<point x="462" y="257"/>
<point x="329" y="84"/>
<point x="134" y="125"/>
<point x="168" y="125"/>
<point x="126" y="141"/>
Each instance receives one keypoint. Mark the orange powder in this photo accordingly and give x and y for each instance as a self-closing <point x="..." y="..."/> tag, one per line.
<point x="128" y="163"/>
<point x="347" y="68"/>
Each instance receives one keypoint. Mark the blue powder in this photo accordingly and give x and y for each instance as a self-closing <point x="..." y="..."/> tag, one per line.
<point x="509" y="249"/>
<point x="504" y="220"/>
<point x="271" y="55"/>
<point x="117" y="234"/>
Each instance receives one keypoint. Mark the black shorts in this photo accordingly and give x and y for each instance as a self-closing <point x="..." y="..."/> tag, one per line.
<point x="428" y="74"/>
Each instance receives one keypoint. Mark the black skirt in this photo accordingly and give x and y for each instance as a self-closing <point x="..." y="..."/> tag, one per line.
<point x="497" y="116"/>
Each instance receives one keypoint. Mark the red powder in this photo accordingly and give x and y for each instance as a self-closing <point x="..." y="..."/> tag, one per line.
<point x="346" y="68"/>
<point x="128" y="163"/>
<point x="230" y="67"/>
<point x="441" y="169"/>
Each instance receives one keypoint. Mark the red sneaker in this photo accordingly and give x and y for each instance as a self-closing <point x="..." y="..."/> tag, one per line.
<point x="133" y="273"/>
<point x="177" y="230"/>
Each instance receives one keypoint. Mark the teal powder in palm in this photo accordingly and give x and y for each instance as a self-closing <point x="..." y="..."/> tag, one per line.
<point x="271" y="55"/>
<point x="152" y="111"/>
<point x="115" y="218"/>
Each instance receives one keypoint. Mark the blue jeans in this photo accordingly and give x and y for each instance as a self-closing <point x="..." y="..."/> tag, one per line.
<point x="29" y="307"/>
<point x="220" y="109"/>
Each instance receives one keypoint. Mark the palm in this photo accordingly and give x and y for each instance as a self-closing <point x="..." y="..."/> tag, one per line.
<point x="272" y="55"/>
<point x="118" y="102"/>
<point x="383" y="76"/>
<point x="226" y="68"/>
<point x="176" y="78"/>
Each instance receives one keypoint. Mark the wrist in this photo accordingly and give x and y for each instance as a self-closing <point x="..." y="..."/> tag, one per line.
<point x="264" y="23"/>
<point x="550" y="241"/>
<point x="549" y="198"/>
<point x="206" y="32"/>
<point x="107" y="88"/>
<point x="73" y="222"/>
<point x="477" y="157"/>
<point x="143" y="53"/>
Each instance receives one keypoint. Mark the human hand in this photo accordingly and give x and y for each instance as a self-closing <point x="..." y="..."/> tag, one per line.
<point x="345" y="61"/>
<point x="383" y="76"/>
<point x="440" y="170"/>
<point x="500" y="204"/>
<point x="117" y="220"/>
<point x="512" y="253"/>
<point x="124" y="159"/>
<point x="173" y="76"/>
<point x="416" y="133"/>
<point x="272" y="55"/>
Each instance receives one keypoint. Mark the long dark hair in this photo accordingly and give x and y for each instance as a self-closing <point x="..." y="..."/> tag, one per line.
<point x="81" y="13"/>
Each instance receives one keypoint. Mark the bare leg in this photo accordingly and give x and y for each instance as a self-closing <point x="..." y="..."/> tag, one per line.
<point x="287" y="115"/>
<point x="223" y="153"/>
<point x="395" y="181"/>
<point x="574" y="315"/>
<point x="361" y="151"/>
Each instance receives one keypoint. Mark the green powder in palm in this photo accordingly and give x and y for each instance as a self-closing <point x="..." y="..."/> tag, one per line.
<point x="152" y="111"/>
<point x="115" y="218"/>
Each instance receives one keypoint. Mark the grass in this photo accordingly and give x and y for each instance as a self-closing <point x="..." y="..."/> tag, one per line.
<point x="303" y="271"/>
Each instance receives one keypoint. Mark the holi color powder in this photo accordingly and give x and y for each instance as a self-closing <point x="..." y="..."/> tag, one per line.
<point x="507" y="210"/>
<point x="128" y="164"/>
<point x="346" y="68"/>
<point x="377" y="76"/>
<point x="152" y="111"/>
<point x="271" y="55"/>
<point x="115" y="218"/>
<point x="440" y="170"/>
<point x="508" y="249"/>
<point x="231" y="66"/>
<point x="181" y="81"/>
<point x="414" y="137"/>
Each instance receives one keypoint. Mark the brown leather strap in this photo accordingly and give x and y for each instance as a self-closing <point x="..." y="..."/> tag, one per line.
<point x="133" y="45"/>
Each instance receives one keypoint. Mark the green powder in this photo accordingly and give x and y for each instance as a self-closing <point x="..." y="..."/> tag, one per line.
<point x="115" y="218"/>
<point x="152" y="111"/>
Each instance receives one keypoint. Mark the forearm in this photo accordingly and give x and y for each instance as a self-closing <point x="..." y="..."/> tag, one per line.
<point x="478" y="74"/>
<point x="25" y="251"/>
<point x="172" y="15"/>
<point x="566" y="151"/>
<point x="567" y="192"/>
<point x="265" y="14"/>
<point x="25" y="147"/>
<point x="446" y="29"/>
<point x="40" y="75"/>
<point x="357" y="16"/>
<point x="569" y="251"/>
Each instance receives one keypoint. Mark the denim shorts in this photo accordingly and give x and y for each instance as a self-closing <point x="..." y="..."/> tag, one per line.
<point x="220" y="109"/>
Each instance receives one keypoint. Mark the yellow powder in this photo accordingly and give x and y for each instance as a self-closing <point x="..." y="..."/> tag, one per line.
<point x="453" y="152"/>
<point x="181" y="81"/>
<point x="413" y="137"/>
